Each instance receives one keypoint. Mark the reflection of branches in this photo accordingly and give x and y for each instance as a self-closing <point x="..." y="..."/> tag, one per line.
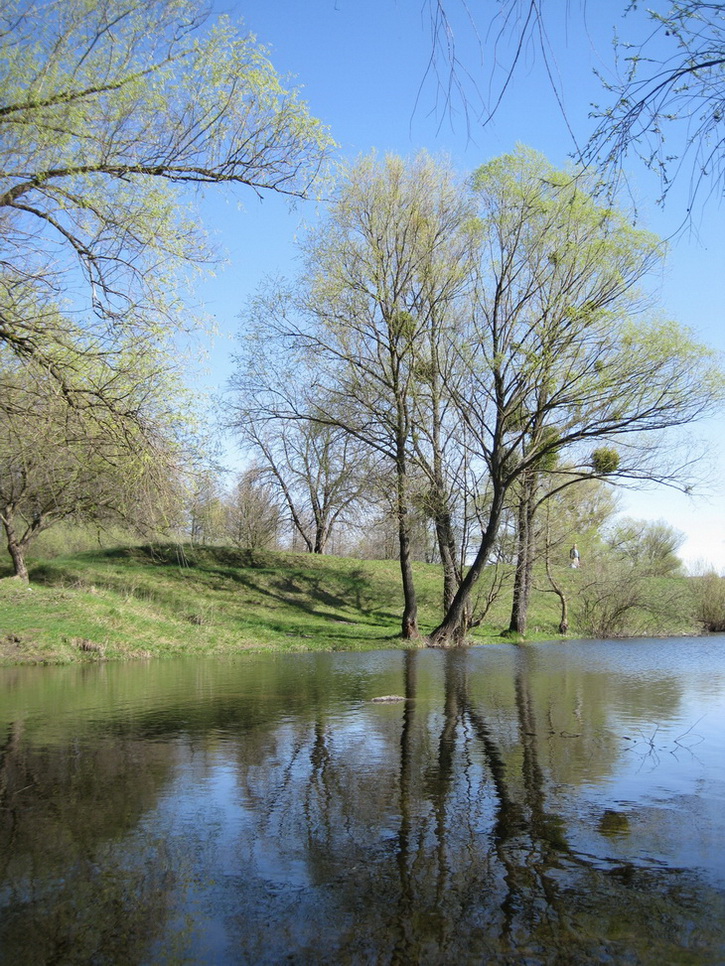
<point x="527" y="840"/>
<point x="320" y="762"/>
<point x="678" y="741"/>
<point x="407" y="892"/>
<point x="68" y="876"/>
<point x="459" y="856"/>
<point x="653" y="750"/>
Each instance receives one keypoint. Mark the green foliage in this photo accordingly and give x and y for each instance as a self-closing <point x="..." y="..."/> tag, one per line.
<point x="630" y="584"/>
<point x="119" y="461"/>
<point x="548" y="444"/>
<point x="650" y="546"/>
<point x="709" y="601"/>
<point x="206" y="508"/>
<point x="605" y="460"/>
<point x="615" y="599"/>
<point x="561" y="338"/>
<point x="488" y="352"/>
<point x="403" y="327"/>
<point x="559" y="342"/>
<point x="110" y="110"/>
<point x="253" y="517"/>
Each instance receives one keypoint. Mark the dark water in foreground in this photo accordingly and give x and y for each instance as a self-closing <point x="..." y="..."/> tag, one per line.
<point x="548" y="804"/>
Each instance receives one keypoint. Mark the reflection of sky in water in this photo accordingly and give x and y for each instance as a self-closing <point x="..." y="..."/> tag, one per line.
<point x="667" y="784"/>
<point x="661" y="803"/>
<point x="657" y="824"/>
<point x="223" y="851"/>
<point x="201" y="818"/>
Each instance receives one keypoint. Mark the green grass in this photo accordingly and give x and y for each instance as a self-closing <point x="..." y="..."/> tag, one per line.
<point x="136" y="602"/>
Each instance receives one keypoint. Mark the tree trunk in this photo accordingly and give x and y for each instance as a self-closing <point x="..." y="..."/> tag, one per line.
<point x="322" y="534"/>
<point x="447" y="550"/>
<point x="410" y="606"/>
<point x="16" y="550"/>
<point x="410" y="603"/>
<point x="520" y="600"/>
<point x="524" y="560"/>
<point x="441" y="507"/>
<point x="451" y="631"/>
<point x="564" y="621"/>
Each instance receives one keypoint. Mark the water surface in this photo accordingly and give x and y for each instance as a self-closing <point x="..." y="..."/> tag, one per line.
<point x="556" y="803"/>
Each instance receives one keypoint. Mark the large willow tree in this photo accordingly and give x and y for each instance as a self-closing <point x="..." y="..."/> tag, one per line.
<point x="558" y="358"/>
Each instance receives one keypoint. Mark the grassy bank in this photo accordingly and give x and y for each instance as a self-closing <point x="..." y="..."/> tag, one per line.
<point x="159" y="601"/>
<point x="135" y="602"/>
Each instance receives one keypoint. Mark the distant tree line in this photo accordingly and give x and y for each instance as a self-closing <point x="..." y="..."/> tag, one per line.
<point x="622" y="583"/>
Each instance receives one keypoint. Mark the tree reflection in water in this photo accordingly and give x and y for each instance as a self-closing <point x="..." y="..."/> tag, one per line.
<point x="436" y="830"/>
<point x="68" y="893"/>
<point x="454" y="855"/>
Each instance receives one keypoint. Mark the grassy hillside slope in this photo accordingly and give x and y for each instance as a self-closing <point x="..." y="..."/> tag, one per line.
<point x="136" y="602"/>
<point x="154" y="601"/>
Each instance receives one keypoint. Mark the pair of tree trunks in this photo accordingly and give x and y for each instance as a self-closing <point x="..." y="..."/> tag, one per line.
<point x="452" y="630"/>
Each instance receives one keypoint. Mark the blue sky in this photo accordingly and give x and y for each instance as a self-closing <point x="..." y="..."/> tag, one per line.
<point x="362" y="68"/>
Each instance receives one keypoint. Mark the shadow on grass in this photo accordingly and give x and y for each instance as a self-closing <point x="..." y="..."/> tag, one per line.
<point x="180" y="555"/>
<point x="303" y="593"/>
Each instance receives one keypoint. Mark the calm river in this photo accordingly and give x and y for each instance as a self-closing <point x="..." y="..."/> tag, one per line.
<point x="551" y="804"/>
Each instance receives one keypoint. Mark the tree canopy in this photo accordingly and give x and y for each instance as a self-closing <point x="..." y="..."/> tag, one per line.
<point x="560" y="359"/>
<point x="121" y="463"/>
<point x="111" y="113"/>
<point x="383" y="272"/>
